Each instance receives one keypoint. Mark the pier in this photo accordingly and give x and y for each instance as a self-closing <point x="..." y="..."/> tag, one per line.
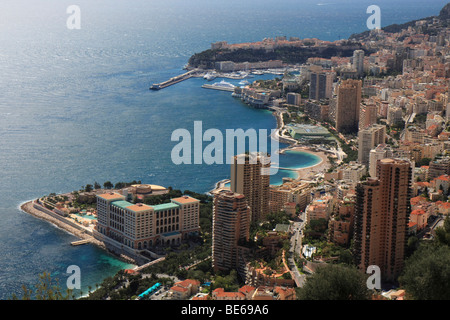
<point x="79" y="242"/>
<point x="281" y="168"/>
<point x="139" y="268"/>
<point x="174" y="80"/>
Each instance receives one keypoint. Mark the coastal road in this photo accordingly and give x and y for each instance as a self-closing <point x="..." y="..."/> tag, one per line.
<point x="280" y="125"/>
<point x="296" y="249"/>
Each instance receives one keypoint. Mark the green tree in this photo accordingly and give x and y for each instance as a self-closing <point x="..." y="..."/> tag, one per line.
<point x="228" y="282"/>
<point x="108" y="185"/>
<point x="443" y="233"/>
<point x="45" y="289"/>
<point x="426" y="275"/>
<point x="412" y="245"/>
<point x="335" y="282"/>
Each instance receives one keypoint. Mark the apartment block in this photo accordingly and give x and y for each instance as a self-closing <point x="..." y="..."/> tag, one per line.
<point x="231" y="224"/>
<point x="368" y="139"/>
<point x="321" y="85"/>
<point x="289" y="192"/>
<point x="340" y="226"/>
<point x="382" y="151"/>
<point x="348" y="106"/>
<point x="320" y="208"/>
<point x="250" y="176"/>
<point x="382" y="214"/>
<point x="368" y="115"/>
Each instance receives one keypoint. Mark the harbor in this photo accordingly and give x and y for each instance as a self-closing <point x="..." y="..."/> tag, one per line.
<point x="213" y="74"/>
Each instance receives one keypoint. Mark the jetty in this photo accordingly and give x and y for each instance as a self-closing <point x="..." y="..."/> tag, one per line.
<point x="139" y="268"/>
<point x="80" y="242"/>
<point x="281" y="168"/>
<point x="174" y="80"/>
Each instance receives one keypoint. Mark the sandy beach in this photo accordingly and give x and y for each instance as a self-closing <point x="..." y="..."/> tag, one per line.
<point x="307" y="172"/>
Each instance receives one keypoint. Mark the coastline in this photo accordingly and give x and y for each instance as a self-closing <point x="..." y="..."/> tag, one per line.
<point x="301" y="173"/>
<point x="28" y="207"/>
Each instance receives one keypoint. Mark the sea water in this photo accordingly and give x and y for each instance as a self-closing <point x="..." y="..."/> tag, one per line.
<point x="75" y="106"/>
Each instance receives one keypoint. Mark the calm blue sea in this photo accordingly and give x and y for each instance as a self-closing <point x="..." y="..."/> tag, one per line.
<point x="75" y="106"/>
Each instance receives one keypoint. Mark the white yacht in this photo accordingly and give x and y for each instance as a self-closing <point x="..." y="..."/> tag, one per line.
<point x="209" y="76"/>
<point x="243" y="74"/>
<point x="222" y="85"/>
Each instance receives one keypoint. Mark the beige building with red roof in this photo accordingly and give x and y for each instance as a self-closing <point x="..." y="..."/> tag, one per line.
<point x="442" y="183"/>
<point x="420" y="217"/>
<point x="182" y="290"/>
<point x="221" y="294"/>
<point x="442" y="207"/>
<point x="255" y="293"/>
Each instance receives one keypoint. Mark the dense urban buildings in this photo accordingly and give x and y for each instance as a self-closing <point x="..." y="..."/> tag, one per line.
<point x="384" y="139"/>
<point x="340" y="227"/>
<point x="296" y="192"/>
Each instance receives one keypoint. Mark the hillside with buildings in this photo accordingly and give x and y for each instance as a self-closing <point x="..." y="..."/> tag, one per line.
<point x="378" y="116"/>
<point x="379" y="111"/>
<point x="269" y="53"/>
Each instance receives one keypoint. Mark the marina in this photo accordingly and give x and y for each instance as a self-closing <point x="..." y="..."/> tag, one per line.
<point x="210" y="75"/>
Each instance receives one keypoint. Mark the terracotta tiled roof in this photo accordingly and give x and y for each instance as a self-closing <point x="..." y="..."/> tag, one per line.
<point x="417" y="200"/>
<point x="246" y="289"/>
<point x="187" y="282"/>
<point x="179" y="289"/>
<point x="220" y="292"/>
<point x="418" y="212"/>
<point x="443" y="204"/>
<point x="443" y="178"/>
